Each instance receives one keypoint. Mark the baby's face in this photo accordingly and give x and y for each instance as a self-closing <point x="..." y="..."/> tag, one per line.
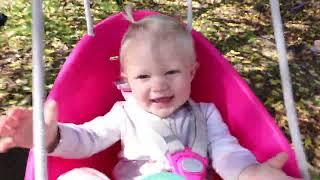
<point x="160" y="82"/>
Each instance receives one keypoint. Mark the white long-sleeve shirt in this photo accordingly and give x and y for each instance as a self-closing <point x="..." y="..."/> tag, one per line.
<point x="141" y="153"/>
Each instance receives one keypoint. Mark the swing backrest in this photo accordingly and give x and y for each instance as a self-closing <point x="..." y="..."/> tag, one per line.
<point x="85" y="89"/>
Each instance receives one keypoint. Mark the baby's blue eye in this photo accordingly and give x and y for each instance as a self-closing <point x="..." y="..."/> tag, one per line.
<point x="172" y="72"/>
<point x="143" y="76"/>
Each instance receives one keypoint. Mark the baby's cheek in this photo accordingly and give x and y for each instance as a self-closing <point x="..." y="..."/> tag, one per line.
<point x="142" y="98"/>
<point x="183" y="86"/>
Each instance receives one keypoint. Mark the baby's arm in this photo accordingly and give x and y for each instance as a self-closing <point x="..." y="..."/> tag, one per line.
<point x="16" y="127"/>
<point x="65" y="140"/>
<point x="81" y="141"/>
<point x="233" y="162"/>
<point x="228" y="157"/>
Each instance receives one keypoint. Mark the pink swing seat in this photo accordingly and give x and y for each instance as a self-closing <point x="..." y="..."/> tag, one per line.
<point x="85" y="89"/>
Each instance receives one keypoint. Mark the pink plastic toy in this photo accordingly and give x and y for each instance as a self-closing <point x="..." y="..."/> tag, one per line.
<point x="85" y="89"/>
<point x="188" y="164"/>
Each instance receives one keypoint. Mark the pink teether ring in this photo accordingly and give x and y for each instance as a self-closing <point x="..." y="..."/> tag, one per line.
<point x="188" y="164"/>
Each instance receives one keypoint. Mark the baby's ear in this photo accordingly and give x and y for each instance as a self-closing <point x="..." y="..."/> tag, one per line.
<point x="194" y="69"/>
<point x="123" y="77"/>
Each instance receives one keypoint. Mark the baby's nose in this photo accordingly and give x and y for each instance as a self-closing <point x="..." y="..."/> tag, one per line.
<point x="159" y="85"/>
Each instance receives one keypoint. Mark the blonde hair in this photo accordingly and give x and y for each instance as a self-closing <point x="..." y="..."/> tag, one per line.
<point x="157" y="29"/>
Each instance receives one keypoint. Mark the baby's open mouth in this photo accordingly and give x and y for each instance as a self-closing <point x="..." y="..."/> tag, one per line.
<point x="162" y="99"/>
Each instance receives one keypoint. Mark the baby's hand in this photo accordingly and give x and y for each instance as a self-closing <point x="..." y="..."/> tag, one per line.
<point x="271" y="169"/>
<point x="16" y="127"/>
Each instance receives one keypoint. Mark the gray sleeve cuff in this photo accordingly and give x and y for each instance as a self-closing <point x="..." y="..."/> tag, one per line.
<point x="67" y="143"/>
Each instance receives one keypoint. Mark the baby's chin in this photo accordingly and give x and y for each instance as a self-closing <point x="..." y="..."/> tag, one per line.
<point x="162" y="113"/>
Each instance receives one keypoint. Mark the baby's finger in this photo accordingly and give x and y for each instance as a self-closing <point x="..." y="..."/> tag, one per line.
<point x="19" y="113"/>
<point x="16" y="113"/>
<point x="6" y="143"/>
<point x="16" y="116"/>
<point x="6" y="130"/>
<point x="2" y="117"/>
<point x="2" y="120"/>
<point x="7" y="126"/>
<point x="12" y="122"/>
<point x="11" y="111"/>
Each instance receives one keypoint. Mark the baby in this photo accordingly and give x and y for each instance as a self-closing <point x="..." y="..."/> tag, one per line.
<point x="161" y="128"/>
